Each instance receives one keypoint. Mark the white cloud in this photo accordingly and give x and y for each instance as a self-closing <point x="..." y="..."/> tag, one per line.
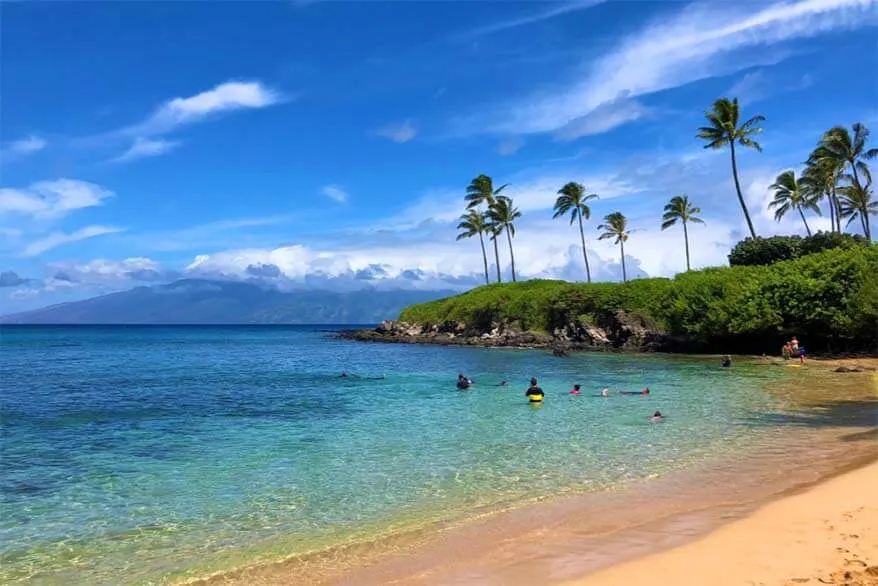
<point x="146" y="147"/>
<point x="24" y="146"/>
<point x="56" y="239"/>
<point x="103" y="271"/>
<point x="402" y="132"/>
<point x="510" y="146"/>
<point x="701" y="41"/>
<point x="52" y="199"/>
<point x="335" y="193"/>
<point x="225" y="97"/>
<point x="558" y="10"/>
<point x="603" y="118"/>
<point x="750" y="88"/>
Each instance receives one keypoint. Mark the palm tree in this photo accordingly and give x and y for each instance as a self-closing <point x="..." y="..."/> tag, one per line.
<point x="679" y="208"/>
<point x="724" y="130"/>
<point x="471" y="223"/>
<point x="502" y="216"/>
<point x="820" y="178"/>
<point x="572" y="200"/>
<point x="856" y="201"/>
<point x="481" y="191"/>
<point x="790" y="194"/>
<point x="616" y="226"/>
<point x="849" y="149"/>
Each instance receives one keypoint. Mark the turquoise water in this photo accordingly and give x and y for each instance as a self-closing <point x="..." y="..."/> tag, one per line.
<point x="140" y="454"/>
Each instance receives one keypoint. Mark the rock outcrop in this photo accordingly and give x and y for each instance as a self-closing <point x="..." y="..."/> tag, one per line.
<point x="619" y="331"/>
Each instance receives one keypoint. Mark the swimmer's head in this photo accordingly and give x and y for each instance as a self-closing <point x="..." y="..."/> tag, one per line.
<point x="576" y="387"/>
<point x="657" y="414"/>
<point x="533" y="381"/>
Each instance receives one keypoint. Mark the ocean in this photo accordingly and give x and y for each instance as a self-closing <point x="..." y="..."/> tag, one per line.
<point x="150" y="454"/>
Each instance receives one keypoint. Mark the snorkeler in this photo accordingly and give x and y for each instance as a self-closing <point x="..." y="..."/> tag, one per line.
<point x="463" y="383"/>
<point x="657" y="417"/>
<point x="645" y="391"/>
<point x="605" y="392"/>
<point x="534" y="393"/>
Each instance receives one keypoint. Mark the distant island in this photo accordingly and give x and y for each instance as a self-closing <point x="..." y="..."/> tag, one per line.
<point x="201" y="301"/>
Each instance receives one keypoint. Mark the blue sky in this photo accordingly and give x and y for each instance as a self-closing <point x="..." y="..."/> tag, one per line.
<point x="328" y="144"/>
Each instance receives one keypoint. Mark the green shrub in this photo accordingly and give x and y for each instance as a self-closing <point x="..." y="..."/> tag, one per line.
<point x="828" y="299"/>
<point x="765" y="251"/>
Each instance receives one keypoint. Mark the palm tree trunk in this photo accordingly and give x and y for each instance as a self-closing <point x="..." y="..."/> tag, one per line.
<point x="484" y="257"/>
<point x="804" y="221"/>
<point x="497" y="258"/>
<point x="624" y="275"/>
<point x="511" y="256"/>
<point x="837" y="205"/>
<point x="867" y="232"/>
<point x="738" y="188"/>
<point x="584" y="253"/>
<point x="686" y="239"/>
<point x="831" y="210"/>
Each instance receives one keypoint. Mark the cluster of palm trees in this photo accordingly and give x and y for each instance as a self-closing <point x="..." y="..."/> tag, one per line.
<point x="849" y="195"/>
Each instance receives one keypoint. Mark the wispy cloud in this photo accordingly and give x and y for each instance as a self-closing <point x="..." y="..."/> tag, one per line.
<point x="557" y="10"/>
<point x="604" y="118"/>
<point x="754" y="86"/>
<point x="52" y="199"/>
<point x="11" y="279"/>
<point x="206" y="235"/>
<point x="225" y="97"/>
<point x="56" y="239"/>
<point x="510" y="146"/>
<point x="335" y="193"/>
<point x="24" y="146"/>
<point x="701" y="41"/>
<point x="401" y="132"/>
<point x="146" y="147"/>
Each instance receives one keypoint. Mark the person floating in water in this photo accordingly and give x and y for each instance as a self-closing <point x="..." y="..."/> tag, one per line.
<point x="463" y="383"/>
<point x="534" y="393"/>
<point x="727" y="361"/>
<point x="605" y="392"/>
<point x="575" y="390"/>
<point x="502" y="383"/>
<point x="657" y="417"/>
<point x="645" y="391"/>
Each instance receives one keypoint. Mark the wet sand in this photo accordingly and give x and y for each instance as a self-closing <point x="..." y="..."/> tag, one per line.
<point x="579" y="539"/>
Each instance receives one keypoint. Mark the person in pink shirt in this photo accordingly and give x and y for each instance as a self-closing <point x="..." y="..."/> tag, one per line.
<point x="575" y="390"/>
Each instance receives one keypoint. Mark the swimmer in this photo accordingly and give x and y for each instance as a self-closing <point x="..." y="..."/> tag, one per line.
<point x="534" y="393"/>
<point x="343" y="375"/>
<point x="575" y="390"/>
<point x="502" y="383"/>
<point x="657" y="417"/>
<point x="605" y="392"/>
<point x="463" y="383"/>
<point x="727" y="361"/>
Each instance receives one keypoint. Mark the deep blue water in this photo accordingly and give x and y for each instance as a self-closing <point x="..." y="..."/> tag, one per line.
<point x="135" y="454"/>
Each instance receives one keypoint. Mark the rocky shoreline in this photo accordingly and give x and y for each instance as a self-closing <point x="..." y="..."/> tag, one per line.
<point x="619" y="331"/>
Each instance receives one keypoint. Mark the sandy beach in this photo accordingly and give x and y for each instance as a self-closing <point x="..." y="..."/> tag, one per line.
<point x="826" y="535"/>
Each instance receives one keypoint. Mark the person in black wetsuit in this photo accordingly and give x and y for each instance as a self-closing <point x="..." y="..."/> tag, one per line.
<point x="727" y="361"/>
<point x="463" y="383"/>
<point x="534" y="393"/>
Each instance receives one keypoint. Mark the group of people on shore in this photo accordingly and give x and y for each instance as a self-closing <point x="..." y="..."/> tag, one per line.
<point x="792" y="349"/>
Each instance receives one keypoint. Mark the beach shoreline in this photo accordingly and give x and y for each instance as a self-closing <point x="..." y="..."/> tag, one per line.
<point x="824" y="534"/>
<point x="566" y="540"/>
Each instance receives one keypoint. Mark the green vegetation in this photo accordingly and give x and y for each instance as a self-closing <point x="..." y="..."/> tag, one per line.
<point x="765" y="251"/>
<point x="828" y="299"/>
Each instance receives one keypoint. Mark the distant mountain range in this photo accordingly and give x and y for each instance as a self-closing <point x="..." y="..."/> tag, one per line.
<point x="199" y="301"/>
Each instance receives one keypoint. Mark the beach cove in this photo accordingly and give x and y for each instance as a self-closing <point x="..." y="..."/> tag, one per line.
<point x="239" y="447"/>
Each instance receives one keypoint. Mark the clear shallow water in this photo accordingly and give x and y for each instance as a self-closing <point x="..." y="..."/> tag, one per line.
<point x="134" y="455"/>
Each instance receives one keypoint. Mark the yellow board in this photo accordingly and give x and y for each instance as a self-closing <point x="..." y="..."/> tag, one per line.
<point x="535" y="399"/>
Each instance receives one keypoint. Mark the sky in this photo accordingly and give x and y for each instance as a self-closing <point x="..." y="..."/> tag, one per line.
<point x="328" y="145"/>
